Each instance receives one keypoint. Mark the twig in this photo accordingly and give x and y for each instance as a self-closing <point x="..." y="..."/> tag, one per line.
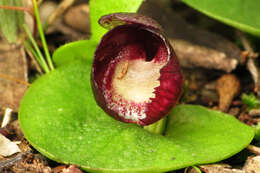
<point x="7" y="117"/>
<point x="60" y="10"/>
<point x="254" y="112"/>
<point x="4" y="76"/>
<point x="254" y="149"/>
<point x="251" y="56"/>
<point x="254" y="72"/>
<point x="247" y="45"/>
<point x="17" y="8"/>
<point x="12" y="161"/>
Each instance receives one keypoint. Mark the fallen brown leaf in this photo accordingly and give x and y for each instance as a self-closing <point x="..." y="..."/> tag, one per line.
<point x="7" y="147"/>
<point x="13" y="76"/>
<point x="228" y="86"/>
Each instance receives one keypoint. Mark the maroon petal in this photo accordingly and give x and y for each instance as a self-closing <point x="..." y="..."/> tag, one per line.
<point x="116" y="19"/>
<point x="136" y="76"/>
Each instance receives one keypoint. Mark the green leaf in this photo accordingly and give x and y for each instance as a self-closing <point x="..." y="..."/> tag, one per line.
<point x="19" y="14"/>
<point x="70" y="52"/>
<point x="10" y="20"/>
<point x="99" y="8"/>
<point x="250" y="101"/>
<point x="206" y="133"/>
<point x="60" y="118"/>
<point x="241" y="14"/>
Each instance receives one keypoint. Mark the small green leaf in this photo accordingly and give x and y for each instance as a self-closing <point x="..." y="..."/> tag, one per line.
<point x="99" y="8"/>
<point x="251" y="101"/>
<point x="10" y="20"/>
<point x="70" y="52"/>
<point x="60" y="118"/>
<point x="241" y="14"/>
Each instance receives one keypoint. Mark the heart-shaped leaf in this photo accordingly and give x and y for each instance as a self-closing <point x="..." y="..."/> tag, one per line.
<point x="241" y="14"/>
<point x="78" y="50"/>
<point x="60" y="118"/>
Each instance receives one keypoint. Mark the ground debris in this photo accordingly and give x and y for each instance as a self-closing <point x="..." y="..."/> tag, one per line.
<point x="64" y="5"/>
<point x="7" y="147"/>
<point x="220" y="168"/>
<point x="244" y="117"/>
<point x="194" y="47"/>
<point x="46" y="9"/>
<point x="11" y="161"/>
<point x="192" y="55"/>
<point x="65" y="169"/>
<point x="30" y="163"/>
<point x="251" y="63"/>
<point x="254" y="149"/>
<point x="77" y="17"/>
<point x="72" y="21"/>
<point x="234" y="111"/>
<point x="228" y="86"/>
<point x="13" y="77"/>
<point x="254" y="112"/>
<point x="15" y="130"/>
<point x="252" y="165"/>
<point x="200" y="86"/>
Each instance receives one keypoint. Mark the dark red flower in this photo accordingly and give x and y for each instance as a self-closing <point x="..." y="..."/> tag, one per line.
<point x="136" y="76"/>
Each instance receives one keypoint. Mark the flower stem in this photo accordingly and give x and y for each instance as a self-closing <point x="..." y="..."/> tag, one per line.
<point x="158" y="127"/>
<point x="37" y="53"/>
<point x="44" y="44"/>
